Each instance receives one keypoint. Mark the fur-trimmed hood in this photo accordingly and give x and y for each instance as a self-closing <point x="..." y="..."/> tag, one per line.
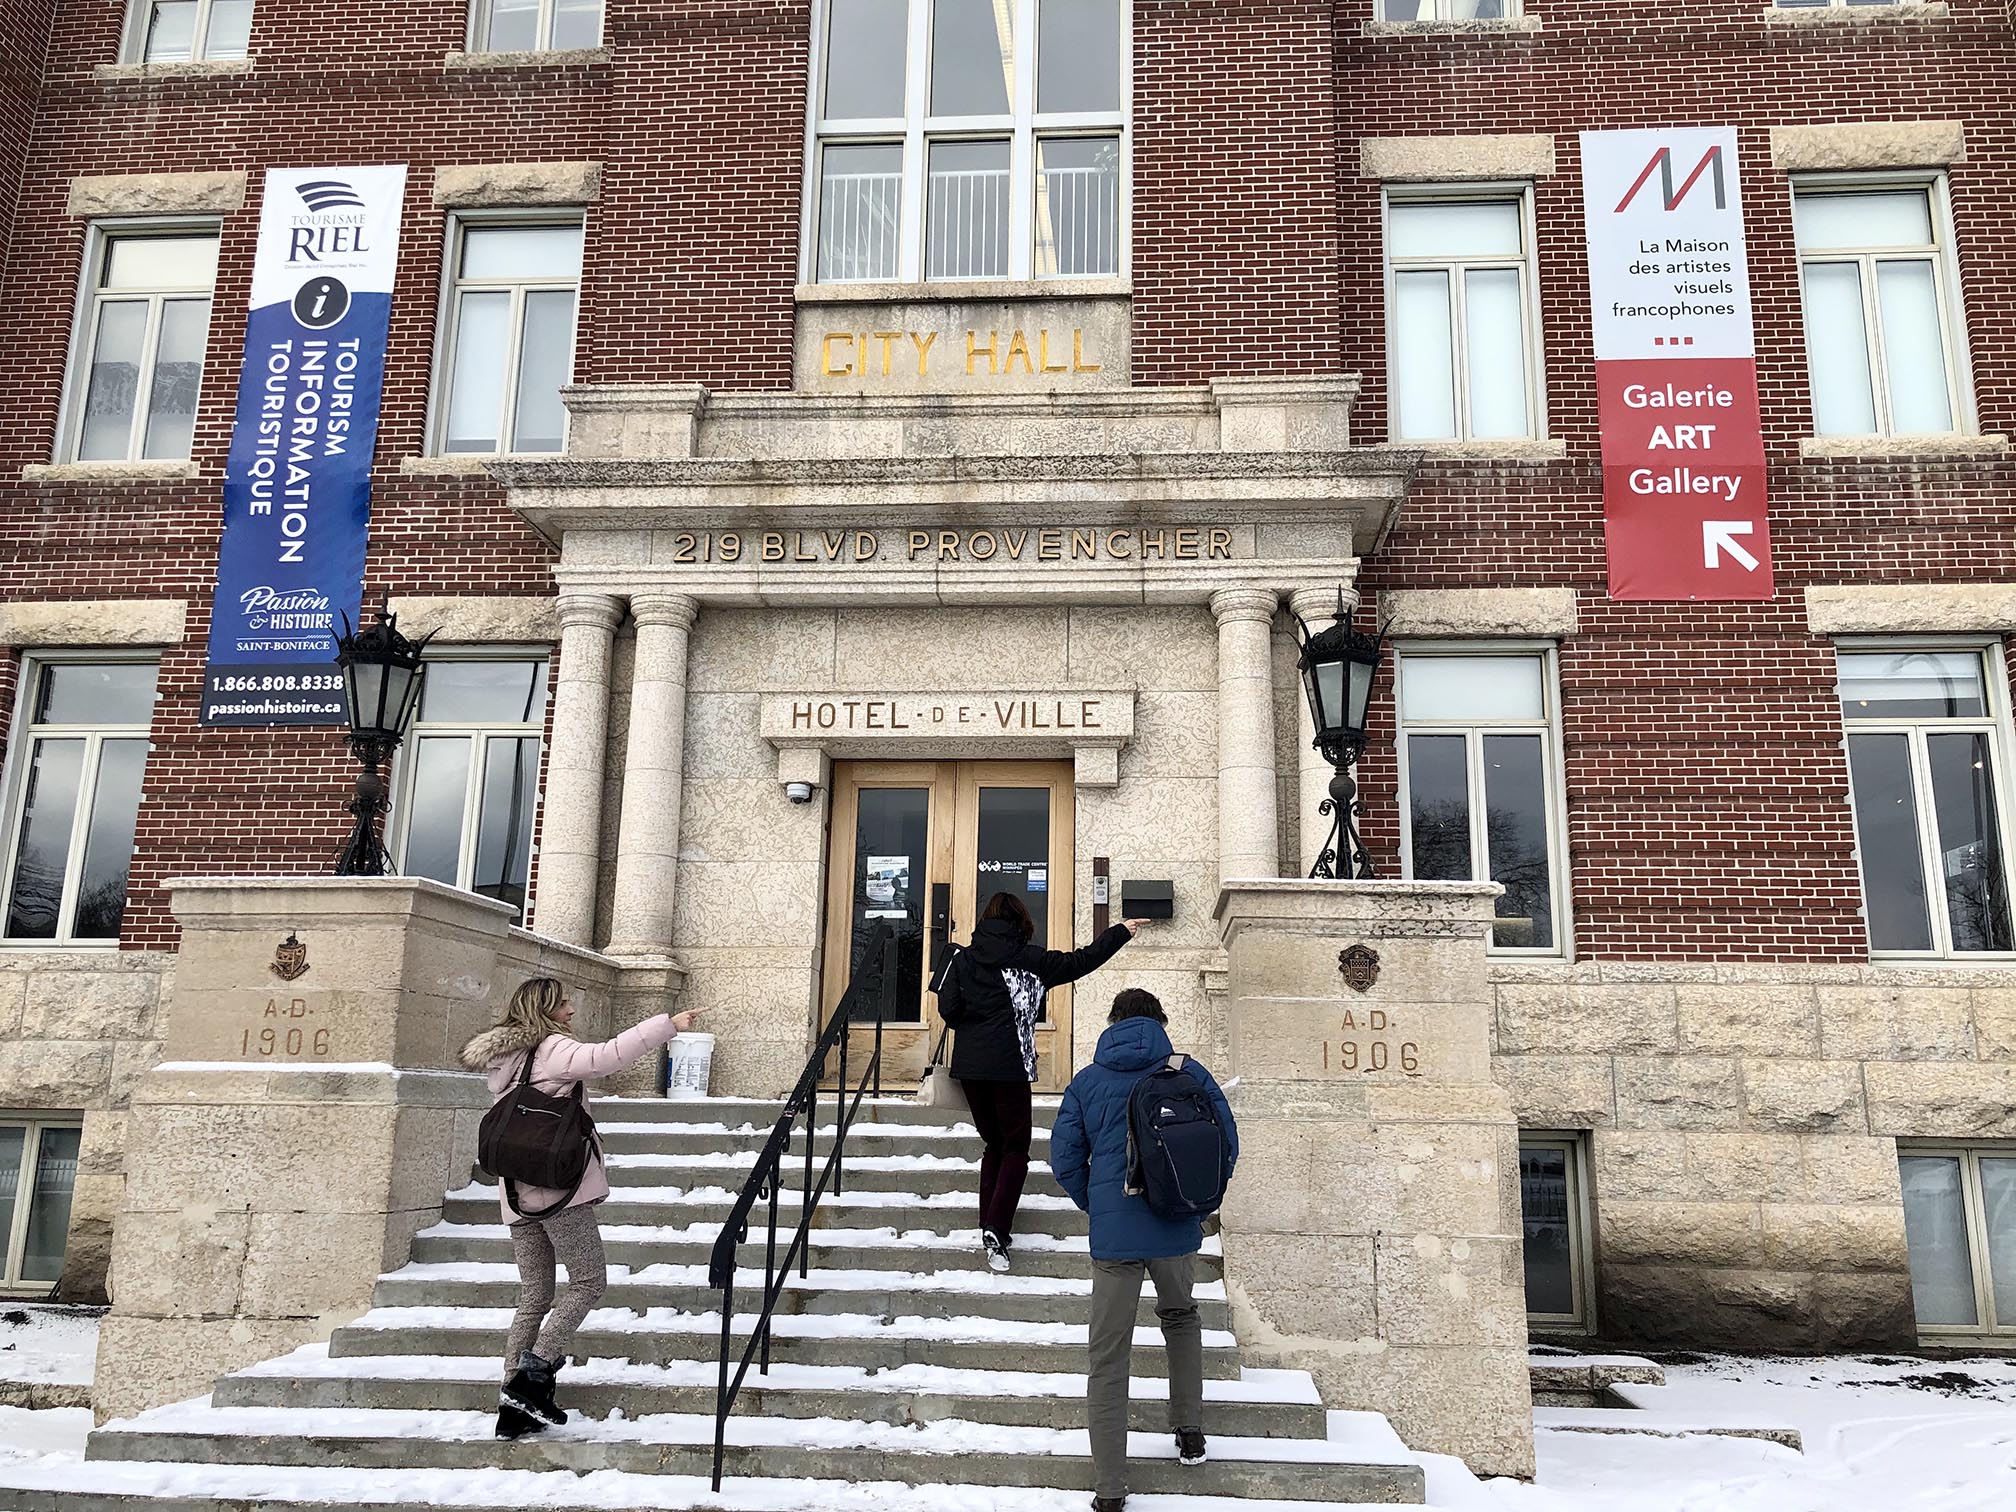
<point x="498" y="1041"/>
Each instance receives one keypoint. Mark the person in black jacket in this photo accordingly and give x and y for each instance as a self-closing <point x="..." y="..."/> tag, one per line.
<point x="992" y="995"/>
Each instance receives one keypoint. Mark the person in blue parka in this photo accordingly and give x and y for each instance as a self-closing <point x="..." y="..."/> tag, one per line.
<point x="1088" y="1154"/>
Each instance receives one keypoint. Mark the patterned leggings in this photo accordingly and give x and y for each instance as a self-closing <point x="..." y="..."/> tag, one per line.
<point x="573" y="1238"/>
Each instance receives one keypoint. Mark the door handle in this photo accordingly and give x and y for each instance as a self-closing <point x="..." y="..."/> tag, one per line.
<point x="941" y="921"/>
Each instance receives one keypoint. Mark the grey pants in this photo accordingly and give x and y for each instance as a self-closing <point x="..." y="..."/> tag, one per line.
<point x="1116" y="1295"/>
<point x="574" y="1239"/>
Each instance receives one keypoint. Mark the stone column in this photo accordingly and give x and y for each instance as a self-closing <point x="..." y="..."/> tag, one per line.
<point x="570" y="830"/>
<point x="1248" y="835"/>
<point x="1318" y="608"/>
<point x="1372" y="1232"/>
<point x="647" y="836"/>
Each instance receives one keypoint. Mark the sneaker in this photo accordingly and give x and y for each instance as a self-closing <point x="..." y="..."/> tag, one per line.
<point x="1190" y="1446"/>
<point x="997" y="1252"/>
<point x="530" y="1390"/>
<point x="1108" y="1503"/>
<point x="513" y="1424"/>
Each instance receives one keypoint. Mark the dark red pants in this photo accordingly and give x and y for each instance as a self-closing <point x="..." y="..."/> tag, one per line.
<point x="1001" y="1114"/>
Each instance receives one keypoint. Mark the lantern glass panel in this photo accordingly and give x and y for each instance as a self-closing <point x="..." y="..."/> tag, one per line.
<point x="367" y="694"/>
<point x="1361" y="694"/>
<point x="1329" y="705"/>
<point x="401" y="683"/>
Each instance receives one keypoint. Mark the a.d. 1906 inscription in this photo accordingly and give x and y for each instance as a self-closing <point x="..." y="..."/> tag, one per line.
<point x="1367" y="1042"/>
<point x="283" y="1029"/>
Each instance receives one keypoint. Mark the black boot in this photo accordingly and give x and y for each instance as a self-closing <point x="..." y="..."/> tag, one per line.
<point x="513" y="1424"/>
<point x="530" y="1389"/>
<point x="1108" y="1503"/>
<point x="1190" y="1446"/>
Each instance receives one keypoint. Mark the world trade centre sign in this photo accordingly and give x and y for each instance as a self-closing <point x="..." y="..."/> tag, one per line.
<point x="1676" y="366"/>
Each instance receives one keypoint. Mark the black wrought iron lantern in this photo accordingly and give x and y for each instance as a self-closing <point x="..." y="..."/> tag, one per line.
<point x="382" y="676"/>
<point x="1338" y="664"/>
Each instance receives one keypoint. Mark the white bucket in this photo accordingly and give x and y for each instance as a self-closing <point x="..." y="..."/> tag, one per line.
<point x="689" y="1060"/>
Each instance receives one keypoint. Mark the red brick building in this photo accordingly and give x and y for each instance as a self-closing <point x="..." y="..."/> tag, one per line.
<point x="1764" y="1066"/>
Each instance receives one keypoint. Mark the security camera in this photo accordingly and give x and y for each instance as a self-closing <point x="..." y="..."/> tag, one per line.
<point x="798" y="792"/>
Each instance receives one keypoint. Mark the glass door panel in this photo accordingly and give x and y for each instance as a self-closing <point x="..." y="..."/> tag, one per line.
<point x="891" y="830"/>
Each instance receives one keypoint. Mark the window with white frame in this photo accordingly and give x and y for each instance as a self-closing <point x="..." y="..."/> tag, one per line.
<point x="969" y="139"/>
<point x="1463" y="349"/>
<point x="74" y="797"/>
<point x="1553" y="1201"/>
<point x="509" y="341"/>
<point x="38" y="1175"/>
<point x="1884" y="340"/>
<point x="188" y="31"/>
<point x="469" y="774"/>
<point x="1924" y="732"/>
<point x="1447" y="10"/>
<point x="534" y="25"/>
<point x="137" y="358"/>
<point x="1828" y="4"/>
<point x="1479" y="782"/>
<point x="1960" y="1225"/>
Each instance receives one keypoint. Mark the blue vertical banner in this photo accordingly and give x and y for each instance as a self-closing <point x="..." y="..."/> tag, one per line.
<point x="297" y="489"/>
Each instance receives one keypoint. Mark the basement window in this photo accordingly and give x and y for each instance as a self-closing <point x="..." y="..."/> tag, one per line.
<point x="38" y="1174"/>
<point x="1960" y="1223"/>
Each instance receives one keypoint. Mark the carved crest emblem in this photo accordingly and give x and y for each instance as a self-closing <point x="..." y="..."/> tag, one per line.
<point x="290" y="958"/>
<point x="1360" y="965"/>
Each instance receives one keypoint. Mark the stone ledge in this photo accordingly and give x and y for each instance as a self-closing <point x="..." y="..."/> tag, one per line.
<point x="1958" y="975"/>
<point x="109" y="472"/>
<point x="456" y="465"/>
<point x="970" y="289"/>
<point x="94" y="195"/>
<point x="1505" y="26"/>
<point x="1429" y="159"/>
<point x="93" y="622"/>
<point x="1869" y="144"/>
<point x="1900" y="608"/>
<point x="475" y="185"/>
<point x="1852" y="15"/>
<point x="1526" y="452"/>
<point x="147" y="73"/>
<point x="564" y="57"/>
<point x="1452" y="612"/>
<point x="1934" y="448"/>
<point x="479" y="621"/>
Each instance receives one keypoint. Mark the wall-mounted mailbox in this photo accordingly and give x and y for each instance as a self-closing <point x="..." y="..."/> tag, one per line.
<point x="1147" y="900"/>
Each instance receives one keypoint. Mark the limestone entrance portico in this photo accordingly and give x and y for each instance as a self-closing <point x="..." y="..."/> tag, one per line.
<point x="995" y="560"/>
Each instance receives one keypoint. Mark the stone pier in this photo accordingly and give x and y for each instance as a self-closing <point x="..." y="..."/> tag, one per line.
<point x="1372" y="1236"/>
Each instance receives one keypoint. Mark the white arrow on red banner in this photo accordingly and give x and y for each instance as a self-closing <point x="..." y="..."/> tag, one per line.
<point x="1719" y="536"/>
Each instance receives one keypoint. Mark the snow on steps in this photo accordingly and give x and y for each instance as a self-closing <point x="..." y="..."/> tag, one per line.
<point x="1258" y="1403"/>
<point x="956" y="1452"/>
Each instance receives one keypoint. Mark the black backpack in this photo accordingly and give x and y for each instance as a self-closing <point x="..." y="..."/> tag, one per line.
<point x="543" y="1141"/>
<point x="1179" y="1156"/>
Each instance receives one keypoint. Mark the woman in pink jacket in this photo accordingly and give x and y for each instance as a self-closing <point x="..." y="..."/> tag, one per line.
<point x="536" y="1024"/>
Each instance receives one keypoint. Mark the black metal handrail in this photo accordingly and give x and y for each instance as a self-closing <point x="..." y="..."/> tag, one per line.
<point x="875" y="980"/>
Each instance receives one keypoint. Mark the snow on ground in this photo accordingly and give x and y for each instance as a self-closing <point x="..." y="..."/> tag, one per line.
<point x="57" y="1433"/>
<point x="1881" y="1435"/>
<point x="48" y="1345"/>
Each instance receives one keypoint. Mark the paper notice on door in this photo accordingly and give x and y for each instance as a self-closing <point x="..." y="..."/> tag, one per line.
<point x="1039" y="879"/>
<point x="886" y="887"/>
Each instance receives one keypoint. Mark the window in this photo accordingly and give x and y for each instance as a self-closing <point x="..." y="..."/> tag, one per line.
<point x="185" y="31"/>
<point x="1924" y="773"/>
<point x="535" y="25"/>
<point x="74" y="798"/>
<point x="509" y="336"/>
<point x="1553" y="1203"/>
<point x="1960" y="1222"/>
<point x="969" y="139"/>
<point x="38" y="1162"/>
<point x="1462" y="345"/>
<point x="469" y="775"/>
<point x="1480" y="783"/>
<point x="1882" y="324"/>
<point x="1827" y="4"/>
<point x="137" y="360"/>
<point x="1447" y="10"/>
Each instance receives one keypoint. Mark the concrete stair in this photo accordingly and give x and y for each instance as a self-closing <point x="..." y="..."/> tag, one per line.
<point x="901" y="1365"/>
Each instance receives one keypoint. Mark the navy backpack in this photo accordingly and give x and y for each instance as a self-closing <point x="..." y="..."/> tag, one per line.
<point x="1179" y="1157"/>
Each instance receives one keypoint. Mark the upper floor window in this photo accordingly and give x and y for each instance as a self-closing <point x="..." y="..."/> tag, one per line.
<point x="1462" y="349"/>
<point x="508" y="346"/>
<point x="535" y="25"/>
<point x="1924" y="767"/>
<point x="1827" y="4"/>
<point x="969" y="139"/>
<point x="137" y="363"/>
<point x="1479" y="781"/>
<point x="469" y="775"/>
<point x="1447" y="10"/>
<point x="74" y="797"/>
<point x="1883" y="332"/>
<point x="186" y="31"/>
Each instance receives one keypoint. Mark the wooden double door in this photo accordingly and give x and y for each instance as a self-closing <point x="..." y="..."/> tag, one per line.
<point x="921" y="846"/>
